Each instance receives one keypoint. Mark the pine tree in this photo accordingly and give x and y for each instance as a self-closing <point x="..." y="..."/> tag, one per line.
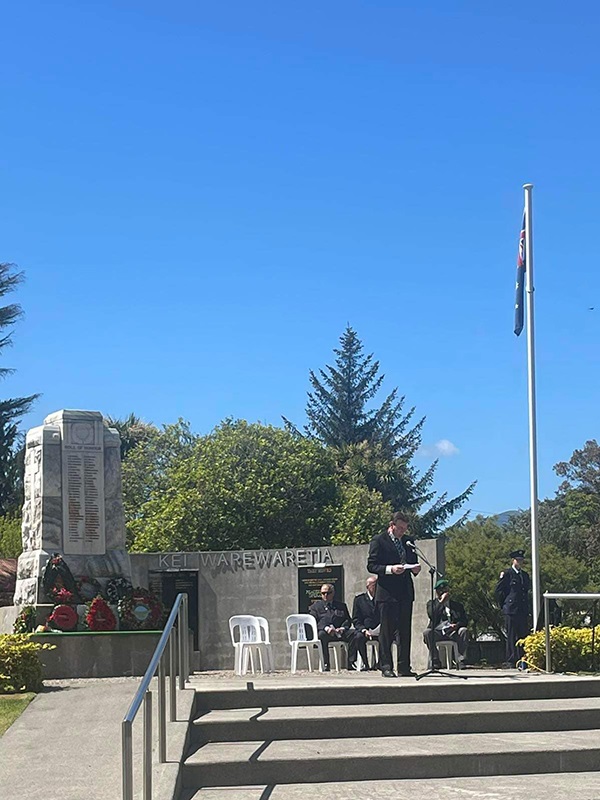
<point x="11" y="411"/>
<point x="375" y="443"/>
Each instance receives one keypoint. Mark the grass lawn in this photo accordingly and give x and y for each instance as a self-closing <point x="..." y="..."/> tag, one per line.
<point x="11" y="705"/>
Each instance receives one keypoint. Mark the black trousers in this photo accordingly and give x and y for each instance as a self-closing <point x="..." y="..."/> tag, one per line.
<point x="396" y="619"/>
<point x="347" y="636"/>
<point x="517" y="627"/>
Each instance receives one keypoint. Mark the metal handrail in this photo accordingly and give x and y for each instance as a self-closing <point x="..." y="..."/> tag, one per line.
<point x="559" y="596"/>
<point x="179" y="613"/>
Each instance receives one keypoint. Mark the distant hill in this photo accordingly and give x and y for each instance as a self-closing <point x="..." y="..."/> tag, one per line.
<point x="504" y="517"/>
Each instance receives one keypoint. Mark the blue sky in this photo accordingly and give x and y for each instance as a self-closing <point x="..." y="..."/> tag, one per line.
<point x="202" y="196"/>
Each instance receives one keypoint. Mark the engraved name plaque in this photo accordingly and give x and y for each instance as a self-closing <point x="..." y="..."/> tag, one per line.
<point x="83" y="487"/>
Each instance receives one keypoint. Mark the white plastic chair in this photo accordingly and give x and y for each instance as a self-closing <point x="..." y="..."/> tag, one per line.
<point x="248" y="642"/>
<point x="448" y="653"/>
<point x="372" y="654"/>
<point x="266" y="645"/>
<point x="296" y="625"/>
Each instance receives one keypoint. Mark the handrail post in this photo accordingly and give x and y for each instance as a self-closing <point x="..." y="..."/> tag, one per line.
<point x="172" y="679"/>
<point x="127" y="759"/>
<point x="162" y="714"/>
<point x="547" y="634"/>
<point x="180" y="641"/>
<point x="147" y="745"/>
<point x="186" y="641"/>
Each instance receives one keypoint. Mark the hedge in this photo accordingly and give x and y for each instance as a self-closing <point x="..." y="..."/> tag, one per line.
<point x="20" y="666"/>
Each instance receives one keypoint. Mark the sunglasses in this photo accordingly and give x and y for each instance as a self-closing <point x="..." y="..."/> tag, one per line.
<point x="329" y="592"/>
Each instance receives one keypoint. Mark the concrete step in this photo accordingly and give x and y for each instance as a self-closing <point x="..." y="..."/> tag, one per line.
<point x="372" y="689"/>
<point x="395" y="719"/>
<point x="391" y="758"/>
<point x="550" y="786"/>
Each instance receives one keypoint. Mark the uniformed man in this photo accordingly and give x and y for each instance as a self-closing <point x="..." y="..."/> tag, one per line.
<point x="512" y="594"/>
<point x="333" y="624"/>
<point x="447" y="623"/>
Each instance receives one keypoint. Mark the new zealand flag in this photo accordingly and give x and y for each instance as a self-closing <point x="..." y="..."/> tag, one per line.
<point x="520" y="295"/>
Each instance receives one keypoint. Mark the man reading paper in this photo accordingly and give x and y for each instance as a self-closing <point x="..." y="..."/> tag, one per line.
<point x="393" y="559"/>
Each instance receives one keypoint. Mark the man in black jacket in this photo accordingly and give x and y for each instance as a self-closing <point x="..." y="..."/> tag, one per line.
<point x="333" y="624"/>
<point x="448" y="623"/>
<point x="512" y="594"/>
<point x="391" y="556"/>
<point x="365" y="617"/>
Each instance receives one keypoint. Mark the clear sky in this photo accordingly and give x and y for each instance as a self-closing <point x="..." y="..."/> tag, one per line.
<point x="203" y="195"/>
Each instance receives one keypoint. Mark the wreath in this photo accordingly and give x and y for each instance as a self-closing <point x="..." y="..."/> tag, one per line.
<point x="25" y="622"/>
<point x="99" y="616"/>
<point x="117" y="589"/>
<point x="63" y="597"/>
<point x="57" y="576"/>
<point x="64" y="618"/>
<point x="140" y="611"/>
<point x="88" y="588"/>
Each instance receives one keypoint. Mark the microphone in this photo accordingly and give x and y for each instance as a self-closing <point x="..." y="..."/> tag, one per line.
<point x="412" y="545"/>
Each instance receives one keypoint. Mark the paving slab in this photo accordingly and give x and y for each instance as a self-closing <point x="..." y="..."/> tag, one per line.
<point x="67" y="743"/>
<point x="551" y="786"/>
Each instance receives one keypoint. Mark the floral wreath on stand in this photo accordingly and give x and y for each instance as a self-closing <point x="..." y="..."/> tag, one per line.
<point x="88" y="588"/>
<point x="63" y="618"/>
<point x="99" y="616"/>
<point x="140" y="611"/>
<point x="117" y="589"/>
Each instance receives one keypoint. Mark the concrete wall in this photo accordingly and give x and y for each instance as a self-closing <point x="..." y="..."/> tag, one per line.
<point x="100" y="655"/>
<point x="265" y="583"/>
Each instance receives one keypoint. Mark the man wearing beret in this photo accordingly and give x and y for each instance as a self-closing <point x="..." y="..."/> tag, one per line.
<point x="512" y="594"/>
<point x="447" y="623"/>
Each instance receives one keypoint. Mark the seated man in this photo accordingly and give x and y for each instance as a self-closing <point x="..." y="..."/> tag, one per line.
<point x="365" y="616"/>
<point x="448" y="622"/>
<point x="333" y="624"/>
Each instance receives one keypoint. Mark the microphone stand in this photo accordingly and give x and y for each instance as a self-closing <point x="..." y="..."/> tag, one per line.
<point x="433" y="651"/>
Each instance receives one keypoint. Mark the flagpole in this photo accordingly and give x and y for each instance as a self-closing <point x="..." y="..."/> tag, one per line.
<point x="533" y="481"/>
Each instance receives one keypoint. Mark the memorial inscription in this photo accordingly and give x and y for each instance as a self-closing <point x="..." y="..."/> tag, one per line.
<point x="83" y="487"/>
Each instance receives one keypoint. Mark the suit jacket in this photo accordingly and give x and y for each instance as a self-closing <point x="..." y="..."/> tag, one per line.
<point x="383" y="553"/>
<point x="365" y="614"/>
<point x="330" y="613"/>
<point x="438" y="616"/>
<point x="512" y="592"/>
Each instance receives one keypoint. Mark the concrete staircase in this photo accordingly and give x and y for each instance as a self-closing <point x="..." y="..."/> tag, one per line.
<point x="359" y="736"/>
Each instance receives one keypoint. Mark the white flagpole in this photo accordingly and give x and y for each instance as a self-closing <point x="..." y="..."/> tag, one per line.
<point x="533" y="482"/>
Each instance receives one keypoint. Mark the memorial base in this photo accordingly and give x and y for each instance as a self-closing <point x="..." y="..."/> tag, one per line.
<point x="31" y="566"/>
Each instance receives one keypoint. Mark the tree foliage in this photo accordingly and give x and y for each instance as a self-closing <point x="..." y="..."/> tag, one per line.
<point x="374" y="444"/>
<point x="478" y="550"/>
<point x="132" y="430"/>
<point x="242" y="486"/>
<point x="11" y="410"/>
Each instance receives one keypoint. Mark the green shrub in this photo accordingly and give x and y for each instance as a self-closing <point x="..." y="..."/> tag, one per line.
<point x="571" y="649"/>
<point x="20" y="666"/>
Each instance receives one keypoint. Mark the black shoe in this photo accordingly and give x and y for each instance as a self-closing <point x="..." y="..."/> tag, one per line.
<point x="326" y="668"/>
<point x="436" y="665"/>
<point x="388" y="673"/>
<point x="407" y="673"/>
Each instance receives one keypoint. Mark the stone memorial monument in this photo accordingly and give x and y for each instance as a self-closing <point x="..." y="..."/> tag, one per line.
<point x="73" y="502"/>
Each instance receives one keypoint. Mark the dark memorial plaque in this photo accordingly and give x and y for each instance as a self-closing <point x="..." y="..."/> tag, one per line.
<point x="169" y="584"/>
<point x="310" y="580"/>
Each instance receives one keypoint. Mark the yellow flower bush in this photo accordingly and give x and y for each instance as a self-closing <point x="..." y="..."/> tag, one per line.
<point x="571" y="649"/>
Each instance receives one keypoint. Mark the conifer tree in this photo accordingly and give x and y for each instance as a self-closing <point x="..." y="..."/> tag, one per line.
<point x="13" y="409"/>
<point x="375" y="442"/>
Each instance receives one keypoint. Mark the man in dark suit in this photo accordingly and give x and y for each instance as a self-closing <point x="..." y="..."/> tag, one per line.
<point x="391" y="555"/>
<point x="447" y="623"/>
<point x="333" y="624"/>
<point x="365" y="617"/>
<point x="512" y="594"/>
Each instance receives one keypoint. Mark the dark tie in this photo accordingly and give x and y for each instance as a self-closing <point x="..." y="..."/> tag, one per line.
<point x="401" y="550"/>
